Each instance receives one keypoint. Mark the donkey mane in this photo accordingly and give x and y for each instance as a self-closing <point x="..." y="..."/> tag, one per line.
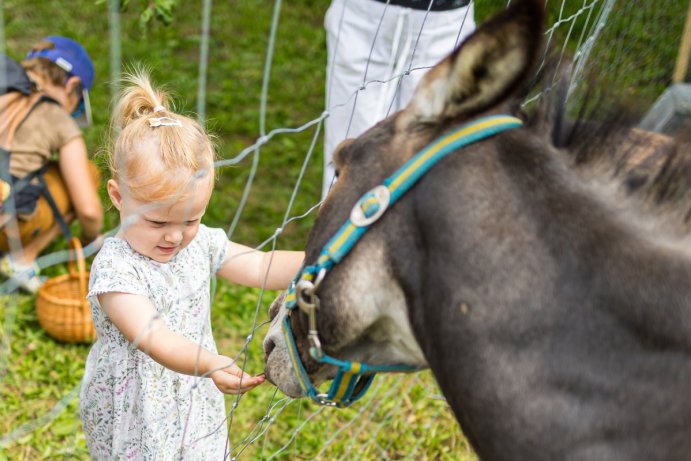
<point x="651" y="170"/>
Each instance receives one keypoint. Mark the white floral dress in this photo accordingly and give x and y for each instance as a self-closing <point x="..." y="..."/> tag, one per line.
<point x="133" y="408"/>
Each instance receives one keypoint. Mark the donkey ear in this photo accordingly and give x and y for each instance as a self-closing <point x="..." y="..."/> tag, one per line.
<point x="487" y="67"/>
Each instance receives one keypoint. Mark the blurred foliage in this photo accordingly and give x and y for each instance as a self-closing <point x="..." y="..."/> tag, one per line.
<point x="152" y="11"/>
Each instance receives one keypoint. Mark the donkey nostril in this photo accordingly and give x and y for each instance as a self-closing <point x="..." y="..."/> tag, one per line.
<point x="269" y="346"/>
<point x="276" y="305"/>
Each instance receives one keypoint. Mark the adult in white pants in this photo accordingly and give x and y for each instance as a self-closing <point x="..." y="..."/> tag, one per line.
<point x="378" y="51"/>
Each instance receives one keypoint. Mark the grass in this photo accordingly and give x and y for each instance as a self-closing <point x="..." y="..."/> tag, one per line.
<point x="403" y="416"/>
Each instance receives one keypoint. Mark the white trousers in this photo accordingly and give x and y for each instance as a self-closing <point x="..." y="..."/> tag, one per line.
<point x="377" y="54"/>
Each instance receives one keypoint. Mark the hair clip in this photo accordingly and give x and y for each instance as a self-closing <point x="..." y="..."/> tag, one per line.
<point x="164" y="121"/>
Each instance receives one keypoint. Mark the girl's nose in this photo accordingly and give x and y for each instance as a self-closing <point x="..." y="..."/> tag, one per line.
<point x="173" y="236"/>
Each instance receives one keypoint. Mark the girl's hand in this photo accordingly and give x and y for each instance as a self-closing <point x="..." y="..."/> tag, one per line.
<point x="230" y="379"/>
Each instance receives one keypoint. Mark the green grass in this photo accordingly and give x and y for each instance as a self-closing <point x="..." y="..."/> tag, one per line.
<point x="402" y="417"/>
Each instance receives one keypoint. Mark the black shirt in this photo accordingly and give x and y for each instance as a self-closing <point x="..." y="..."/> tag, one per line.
<point x="437" y="5"/>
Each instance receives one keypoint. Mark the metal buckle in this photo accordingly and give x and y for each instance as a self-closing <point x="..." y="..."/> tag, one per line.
<point x="381" y="195"/>
<point x="304" y="294"/>
<point x="308" y="302"/>
<point x="322" y="399"/>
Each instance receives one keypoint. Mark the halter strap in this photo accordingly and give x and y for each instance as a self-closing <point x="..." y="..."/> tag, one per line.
<point x="374" y="203"/>
<point x="354" y="378"/>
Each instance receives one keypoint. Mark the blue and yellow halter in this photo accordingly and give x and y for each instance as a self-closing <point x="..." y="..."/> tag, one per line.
<point x="354" y="378"/>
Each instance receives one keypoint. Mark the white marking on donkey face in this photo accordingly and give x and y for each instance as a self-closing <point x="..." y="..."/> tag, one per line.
<point x="279" y="369"/>
<point x="372" y="309"/>
<point x="372" y="312"/>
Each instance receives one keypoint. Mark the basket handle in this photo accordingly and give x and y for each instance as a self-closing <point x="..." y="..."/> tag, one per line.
<point x="76" y="249"/>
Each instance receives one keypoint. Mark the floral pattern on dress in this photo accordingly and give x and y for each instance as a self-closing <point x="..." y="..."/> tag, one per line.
<point x="133" y="408"/>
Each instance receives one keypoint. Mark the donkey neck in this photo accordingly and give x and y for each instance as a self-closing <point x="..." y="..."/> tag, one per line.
<point x="514" y="235"/>
<point x="544" y="301"/>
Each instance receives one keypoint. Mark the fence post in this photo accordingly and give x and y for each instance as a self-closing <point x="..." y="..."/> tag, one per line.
<point x="684" y="50"/>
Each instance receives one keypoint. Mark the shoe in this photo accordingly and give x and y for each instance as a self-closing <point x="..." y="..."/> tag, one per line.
<point x="25" y="276"/>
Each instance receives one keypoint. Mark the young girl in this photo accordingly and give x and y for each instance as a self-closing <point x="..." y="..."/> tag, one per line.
<point x="152" y="380"/>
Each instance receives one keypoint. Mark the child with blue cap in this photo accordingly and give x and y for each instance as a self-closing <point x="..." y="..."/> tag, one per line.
<point x="71" y="57"/>
<point x="47" y="151"/>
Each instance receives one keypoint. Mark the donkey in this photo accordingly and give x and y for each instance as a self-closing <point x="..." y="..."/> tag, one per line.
<point x="542" y="272"/>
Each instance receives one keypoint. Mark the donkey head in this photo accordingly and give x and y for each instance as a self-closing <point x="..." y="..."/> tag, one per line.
<point x="364" y="311"/>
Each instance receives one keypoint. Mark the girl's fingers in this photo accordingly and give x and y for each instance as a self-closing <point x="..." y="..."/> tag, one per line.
<point x="241" y="388"/>
<point x="243" y="384"/>
<point x="230" y="379"/>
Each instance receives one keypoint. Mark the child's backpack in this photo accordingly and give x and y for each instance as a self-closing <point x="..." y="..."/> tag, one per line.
<point x="17" y="100"/>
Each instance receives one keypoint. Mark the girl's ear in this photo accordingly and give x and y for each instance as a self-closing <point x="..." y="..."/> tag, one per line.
<point x="114" y="193"/>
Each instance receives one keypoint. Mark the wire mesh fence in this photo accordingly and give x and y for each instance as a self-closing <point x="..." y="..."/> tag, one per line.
<point x="254" y="73"/>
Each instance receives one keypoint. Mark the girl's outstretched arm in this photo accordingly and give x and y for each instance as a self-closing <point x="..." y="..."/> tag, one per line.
<point x="272" y="270"/>
<point x="136" y="318"/>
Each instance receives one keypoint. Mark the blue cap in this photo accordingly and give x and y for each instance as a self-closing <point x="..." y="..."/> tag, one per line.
<point x="70" y="56"/>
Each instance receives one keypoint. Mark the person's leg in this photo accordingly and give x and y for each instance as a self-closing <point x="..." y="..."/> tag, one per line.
<point x="434" y="36"/>
<point x="19" y="263"/>
<point x="358" y="56"/>
<point x="23" y="238"/>
<point x="27" y="237"/>
<point x="32" y="235"/>
<point x="35" y="246"/>
<point x="369" y="43"/>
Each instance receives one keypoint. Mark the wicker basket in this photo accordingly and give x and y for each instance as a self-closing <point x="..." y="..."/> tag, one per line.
<point x="61" y="304"/>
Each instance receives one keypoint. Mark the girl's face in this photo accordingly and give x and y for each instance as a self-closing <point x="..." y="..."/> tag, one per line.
<point x="159" y="231"/>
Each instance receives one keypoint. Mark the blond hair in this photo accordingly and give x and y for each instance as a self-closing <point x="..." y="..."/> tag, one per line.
<point x="156" y="154"/>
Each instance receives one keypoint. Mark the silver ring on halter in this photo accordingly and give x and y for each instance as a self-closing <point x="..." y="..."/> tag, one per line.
<point x="371" y="206"/>
<point x="308" y="302"/>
